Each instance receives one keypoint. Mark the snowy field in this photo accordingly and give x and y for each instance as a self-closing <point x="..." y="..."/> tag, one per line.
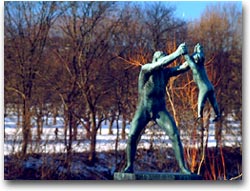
<point x="105" y="142"/>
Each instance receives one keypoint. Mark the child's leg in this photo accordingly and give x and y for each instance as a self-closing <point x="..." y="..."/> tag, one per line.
<point x="212" y="100"/>
<point x="201" y="102"/>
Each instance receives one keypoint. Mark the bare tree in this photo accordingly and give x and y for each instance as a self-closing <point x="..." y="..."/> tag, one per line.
<point x="87" y="28"/>
<point x="27" y="26"/>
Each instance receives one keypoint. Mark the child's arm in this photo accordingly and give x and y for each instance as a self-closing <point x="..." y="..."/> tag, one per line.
<point x="190" y="62"/>
<point x="179" y="69"/>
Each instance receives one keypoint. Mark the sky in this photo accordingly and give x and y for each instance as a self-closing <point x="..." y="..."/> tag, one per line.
<point x="192" y="10"/>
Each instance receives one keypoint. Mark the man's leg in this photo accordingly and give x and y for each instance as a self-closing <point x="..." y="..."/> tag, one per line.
<point x="139" y="122"/>
<point x="166" y="121"/>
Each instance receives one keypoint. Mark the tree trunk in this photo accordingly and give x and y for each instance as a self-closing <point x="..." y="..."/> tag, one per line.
<point x="92" y="154"/>
<point x="54" y="115"/>
<point x="72" y="125"/>
<point x="69" y="146"/>
<point x="66" y="123"/>
<point x="47" y="119"/>
<point x="18" y="115"/>
<point x="39" y="127"/>
<point x="218" y="133"/>
<point x="87" y="127"/>
<point x="111" y="122"/>
<point x="99" y="121"/>
<point x="39" y="123"/>
<point x="75" y="130"/>
<point x="117" y="138"/>
<point x="124" y="126"/>
<point x="26" y="126"/>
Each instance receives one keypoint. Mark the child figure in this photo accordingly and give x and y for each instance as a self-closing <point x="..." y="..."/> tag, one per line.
<point x="206" y="89"/>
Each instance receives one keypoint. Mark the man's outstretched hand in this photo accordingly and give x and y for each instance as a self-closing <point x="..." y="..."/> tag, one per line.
<point x="182" y="49"/>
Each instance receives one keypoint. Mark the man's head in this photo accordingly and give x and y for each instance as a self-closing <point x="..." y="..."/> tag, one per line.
<point x="157" y="55"/>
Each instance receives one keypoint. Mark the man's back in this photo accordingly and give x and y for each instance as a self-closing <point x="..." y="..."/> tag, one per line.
<point x="152" y="84"/>
<point x="151" y="88"/>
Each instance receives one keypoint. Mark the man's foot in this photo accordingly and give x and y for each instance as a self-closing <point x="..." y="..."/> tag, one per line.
<point x="128" y="169"/>
<point x="185" y="171"/>
<point x="217" y="118"/>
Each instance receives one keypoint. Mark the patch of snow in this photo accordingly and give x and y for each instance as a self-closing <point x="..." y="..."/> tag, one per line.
<point x="49" y="143"/>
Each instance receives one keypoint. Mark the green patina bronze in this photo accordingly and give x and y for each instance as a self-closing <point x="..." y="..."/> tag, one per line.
<point x="155" y="176"/>
<point x="152" y="82"/>
<point x="206" y="89"/>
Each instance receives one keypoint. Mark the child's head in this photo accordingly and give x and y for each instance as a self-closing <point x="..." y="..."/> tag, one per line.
<point x="198" y="55"/>
<point x="198" y="48"/>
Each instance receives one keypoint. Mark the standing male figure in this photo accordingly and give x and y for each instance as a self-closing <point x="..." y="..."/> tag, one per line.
<point x="206" y="89"/>
<point x="152" y="82"/>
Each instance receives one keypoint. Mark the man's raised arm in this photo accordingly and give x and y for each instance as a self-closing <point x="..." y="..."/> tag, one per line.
<point x="162" y="62"/>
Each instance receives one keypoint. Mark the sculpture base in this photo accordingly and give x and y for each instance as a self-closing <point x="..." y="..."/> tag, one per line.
<point x="155" y="176"/>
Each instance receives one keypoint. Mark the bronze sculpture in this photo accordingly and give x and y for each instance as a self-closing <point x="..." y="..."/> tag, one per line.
<point x="152" y="82"/>
<point x="206" y="89"/>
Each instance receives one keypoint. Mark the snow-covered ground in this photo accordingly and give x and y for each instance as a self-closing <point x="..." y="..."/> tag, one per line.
<point x="50" y="144"/>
